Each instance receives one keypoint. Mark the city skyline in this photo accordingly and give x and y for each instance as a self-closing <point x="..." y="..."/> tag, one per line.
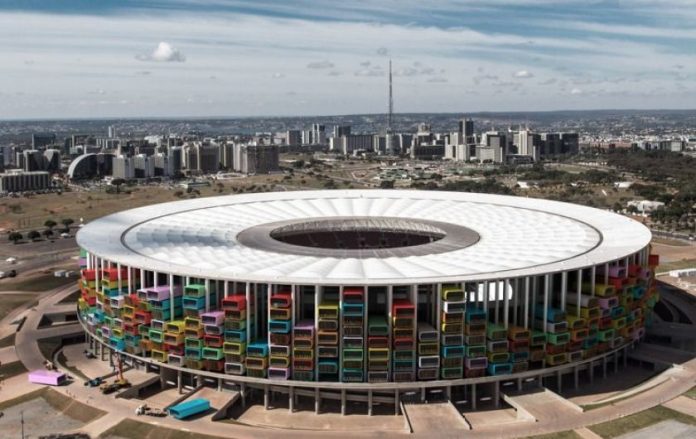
<point x="191" y="58"/>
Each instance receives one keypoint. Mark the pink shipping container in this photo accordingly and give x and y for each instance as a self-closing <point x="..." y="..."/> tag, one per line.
<point x="52" y="378"/>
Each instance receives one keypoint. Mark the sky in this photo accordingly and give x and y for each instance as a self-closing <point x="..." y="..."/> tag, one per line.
<point x="199" y="58"/>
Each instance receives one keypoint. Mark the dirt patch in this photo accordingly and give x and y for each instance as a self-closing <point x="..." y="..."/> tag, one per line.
<point x="45" y="411"/>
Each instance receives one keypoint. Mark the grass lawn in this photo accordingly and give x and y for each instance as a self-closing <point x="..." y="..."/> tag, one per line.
<point x="673" y="242"/>
<point x="640" y="420"/>
<point x="570" y="434"/>
<point x="40" y="283"/>
<point x="8" y="370"/>
<point x="9" y="302"/>
<point x="58" y="401"/>
<point x="130" y="429"/>
<point x="676" y="265"/>
<point x="691" y="393"/>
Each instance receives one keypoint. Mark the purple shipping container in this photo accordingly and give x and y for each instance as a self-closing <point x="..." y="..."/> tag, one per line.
<point x="52" y="378"/>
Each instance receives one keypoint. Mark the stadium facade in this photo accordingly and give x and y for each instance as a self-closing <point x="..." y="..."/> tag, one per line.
<point x="366" y="294"/>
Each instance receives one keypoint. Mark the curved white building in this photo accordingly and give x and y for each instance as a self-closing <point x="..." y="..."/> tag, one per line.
<point x="366" y="289"/>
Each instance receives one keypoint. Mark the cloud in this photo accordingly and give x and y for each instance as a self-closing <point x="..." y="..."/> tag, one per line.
<point x="408" y="71"/>
<point x="164" y="52"/>
<point x="576" y="91"/>
<point x="143" y="73"/>
<point x="320" y="65"/>
<point x="548" y="81"/>
<point x="478" y="79"/>
<point x="523" y="74"/>
<point x="437" y="79"/>
<point x="278" y="75"/>
<point x="373" y="71"/>
<point x="382" y="51"/>
<point x="416" y="69"/>
<point x="334" y="73"/>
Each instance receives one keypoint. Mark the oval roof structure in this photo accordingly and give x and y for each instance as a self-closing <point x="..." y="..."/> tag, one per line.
<point x="515" y="237"/>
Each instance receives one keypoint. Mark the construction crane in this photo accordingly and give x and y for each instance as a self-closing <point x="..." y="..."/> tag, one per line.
<point x="120" y="383"/>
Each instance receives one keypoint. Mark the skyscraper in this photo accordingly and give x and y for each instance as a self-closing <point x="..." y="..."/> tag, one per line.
<point x="466" y="130"/>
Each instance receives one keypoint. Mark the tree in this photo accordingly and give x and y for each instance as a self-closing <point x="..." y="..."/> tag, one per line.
<point x="118" y="182"/>
<point x="14" y="237"/>
<point x="50" y="223"/>
<point x="33" y="235"/>
<point x="48" y="233"/>
<point x="67" y="222"/>
<point x="386" y="184"/>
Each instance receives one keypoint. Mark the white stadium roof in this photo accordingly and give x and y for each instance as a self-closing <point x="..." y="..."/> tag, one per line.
<point x="514" y="237"/>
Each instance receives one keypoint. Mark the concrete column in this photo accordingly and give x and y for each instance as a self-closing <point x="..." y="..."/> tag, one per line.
<point x="265" y="397"/>
<point x="506" y="303"/>
<point x="178" y="381"/>
<point x="120" y="281"/>
<point x="291" y="399"/>
<point x="559" y="381"/>
<point x="97" y="275"/>
<point x="496" y="394"/>
<point x="130" y="281"/>
<point x="396" y="402"/>
<point x="317" y="400"/>
<point x="473" y="397"/>
<point x="526" y="303"/>
<point x="591" y="371"/>
<point x="576" y="376"/>
<point x="519" y="384"/>
<point x="343" y="402"/>
<point x="604" y="367"/>
<point x="564" y="289"/>
<point x="448" y="392"/>
<point x="219" y="384"/>
<point x="171" y="296"/>
<point x="496" y="314"/>
<point x="247" y="294"/>
<point x="579" y="293"/>
<point x="422" y="394"/>
<point x="547" y="289"/>
<point x="369" y="402"/>
<point x="242" y="390"/>
<point x="207" y="295"/>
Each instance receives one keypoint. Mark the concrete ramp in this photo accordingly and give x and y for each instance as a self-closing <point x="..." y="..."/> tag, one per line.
<point x="544" y="405"/>
<point x="438" y="420"/>
<point x="136" y="390"/>
<point x="224" y="411"/>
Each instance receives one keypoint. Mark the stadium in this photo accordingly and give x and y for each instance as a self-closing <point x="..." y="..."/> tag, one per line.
<point x="366" y="295"/>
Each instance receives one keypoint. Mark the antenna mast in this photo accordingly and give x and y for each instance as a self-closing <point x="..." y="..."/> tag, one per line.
<point x="391" y="101"/>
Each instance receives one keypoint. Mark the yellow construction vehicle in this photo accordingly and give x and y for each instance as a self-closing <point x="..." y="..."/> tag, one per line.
<point x="120" y="383"/>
